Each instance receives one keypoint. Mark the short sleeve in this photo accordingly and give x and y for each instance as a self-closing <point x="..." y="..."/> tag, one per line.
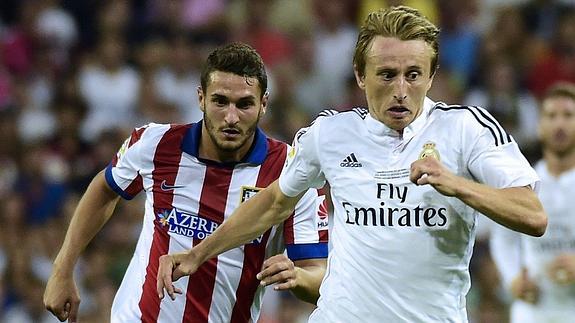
<point x="306" y="230"/>
<point x="494" y="158"/>
<point x="302" y="169"/>
<point x="123" y="172"/>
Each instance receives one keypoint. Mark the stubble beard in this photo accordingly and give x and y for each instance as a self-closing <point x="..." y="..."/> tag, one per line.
<point x="230" y="146"/>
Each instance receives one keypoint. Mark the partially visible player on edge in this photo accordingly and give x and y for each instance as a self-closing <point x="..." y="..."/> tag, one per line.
<point x="408" y="177"/>
<point x="540" y="273"/>
<point x="194" y="176"/>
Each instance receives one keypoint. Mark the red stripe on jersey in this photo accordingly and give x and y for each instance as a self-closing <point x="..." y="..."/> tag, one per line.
<point x="323" y="236"/>
<point x="136" y="135"/>
<point x="323" y="214"/>
<point x="166" y="165"/>
<point x="254" y="253"/>
<point x="212" y="206"/>
<point x="135" y="187"/>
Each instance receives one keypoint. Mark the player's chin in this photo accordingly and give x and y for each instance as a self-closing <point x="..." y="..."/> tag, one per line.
<point x="230" y="145"/>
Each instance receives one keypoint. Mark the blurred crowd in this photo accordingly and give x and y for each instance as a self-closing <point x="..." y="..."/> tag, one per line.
<point x="77" y="76"/>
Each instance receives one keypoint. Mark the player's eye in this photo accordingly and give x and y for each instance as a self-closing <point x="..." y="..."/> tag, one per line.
<point x="386" y="75"/>
<point x="220" y="101"/>
<point x="245" y="104"/>
<point x="413" y="75"/>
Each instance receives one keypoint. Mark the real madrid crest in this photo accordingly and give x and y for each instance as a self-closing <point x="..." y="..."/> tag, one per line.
<point x="429" y="150"/>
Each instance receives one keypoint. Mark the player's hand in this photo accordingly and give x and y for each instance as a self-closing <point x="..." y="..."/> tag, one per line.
<point x="562" y="269"/>
<point x="173" y="267"/>
<point x="431" y="171"/>
<point x="61" y="297"/>
<point x="524" y="288"/>
<point x="278" y="270"/>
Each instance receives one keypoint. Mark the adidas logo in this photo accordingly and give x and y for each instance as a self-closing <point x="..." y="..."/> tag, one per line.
<point x="350" y="161"/>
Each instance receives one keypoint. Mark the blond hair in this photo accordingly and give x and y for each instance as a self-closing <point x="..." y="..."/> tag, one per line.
<point x="402" y="22"/>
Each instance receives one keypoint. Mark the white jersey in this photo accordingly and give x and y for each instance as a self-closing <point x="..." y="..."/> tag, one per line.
<point x="400" y="252"/>
<point x="187" y="198"/>
<point x="511" y="251"/>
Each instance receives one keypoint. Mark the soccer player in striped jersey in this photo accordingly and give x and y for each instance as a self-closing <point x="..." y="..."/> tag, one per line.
<point x="194" y="176"/>
<point x="408" y="177"/>
<point x="540" y="273"/>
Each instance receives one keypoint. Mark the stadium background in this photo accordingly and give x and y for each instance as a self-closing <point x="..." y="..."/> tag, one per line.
<point x="76" y="76"/>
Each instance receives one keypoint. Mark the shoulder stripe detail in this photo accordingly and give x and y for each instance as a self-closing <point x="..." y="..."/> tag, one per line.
<point x="505" y="137"/>
<point x="327" y="113"/>
<point x="362" y="112"/>
<point x="499" y="135"/>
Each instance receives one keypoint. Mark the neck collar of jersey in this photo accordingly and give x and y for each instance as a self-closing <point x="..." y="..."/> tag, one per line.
<point x="256" y="155"/>
<point x="379" y="128"/>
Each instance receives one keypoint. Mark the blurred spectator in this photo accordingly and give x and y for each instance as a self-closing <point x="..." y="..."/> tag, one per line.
<point x="110" y="88"/>
<point x="501" y="94"/>
<point x="42" y="183"/>
<point x="254" y="28"/>
<point x="559" y="63"/>
<point x="57" y="29"/>
<point x="176" y="83"/>
<point x="459" y="40"/>
<point x="17" y="40"/>
<point x="334" y="41"/>
<point x="284" y="116"/>
<point x="310" y="91"/>
<point x="10" y="150"/>
<point x="541" y="16"/>
<point x="205" y="18"/>
<point x="509" y="39"/>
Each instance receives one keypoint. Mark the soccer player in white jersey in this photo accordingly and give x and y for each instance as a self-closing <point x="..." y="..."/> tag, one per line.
<point x="194" y="176"/>
<point x="408" y="178"/>
<point x="540" y="273"/>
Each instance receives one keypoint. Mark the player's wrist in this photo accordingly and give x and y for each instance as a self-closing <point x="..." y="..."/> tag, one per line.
<point x="298" y="272"/>
<point x="197" y="255"/>
<point x="62" y="269"/>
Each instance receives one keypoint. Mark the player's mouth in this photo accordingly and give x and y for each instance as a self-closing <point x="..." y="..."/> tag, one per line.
<point x="560" y="136"/>
<point x="398" y="111"/>
<point x="231" y="133"/>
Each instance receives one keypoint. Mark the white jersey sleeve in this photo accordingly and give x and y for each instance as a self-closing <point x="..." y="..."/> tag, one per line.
<point x="133" y="159"/>
<point x="493" y="156"/>
<point x="302" y="169"/>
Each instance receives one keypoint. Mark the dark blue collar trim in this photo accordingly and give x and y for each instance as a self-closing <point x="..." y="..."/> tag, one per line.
<point x="256" y="155"/>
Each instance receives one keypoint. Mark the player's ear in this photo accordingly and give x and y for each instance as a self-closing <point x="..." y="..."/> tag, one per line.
<point x="359" y="77"/>
<point x="201" y="98"/>
<point x="264" y="104"/>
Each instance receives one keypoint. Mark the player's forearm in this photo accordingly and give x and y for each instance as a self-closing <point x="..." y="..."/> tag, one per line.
<point x="93" y="211"/>
<point x="517" y="208"/>
<point x="251" y="219"/>
<point x="308" y="280"/>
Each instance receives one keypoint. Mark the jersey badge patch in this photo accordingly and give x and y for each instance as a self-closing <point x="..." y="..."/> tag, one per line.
<point x="248" y="192"/>
<point x="429" y="150"/>
<point x="123" y="149"/>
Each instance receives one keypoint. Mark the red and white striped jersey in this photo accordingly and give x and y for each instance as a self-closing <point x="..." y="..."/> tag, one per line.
<point x="187" y="198"/>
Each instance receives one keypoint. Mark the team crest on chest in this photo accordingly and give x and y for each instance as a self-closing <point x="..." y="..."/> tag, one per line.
<point x="429" y="150"/>
<point x="248" y="192"/>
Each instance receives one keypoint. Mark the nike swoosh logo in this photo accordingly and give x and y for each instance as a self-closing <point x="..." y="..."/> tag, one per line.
<point x="166" y="187"/>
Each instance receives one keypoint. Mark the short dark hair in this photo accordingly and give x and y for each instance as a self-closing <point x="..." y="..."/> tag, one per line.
<point x="560" y="89"/>
<point x="237" y="58"/>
